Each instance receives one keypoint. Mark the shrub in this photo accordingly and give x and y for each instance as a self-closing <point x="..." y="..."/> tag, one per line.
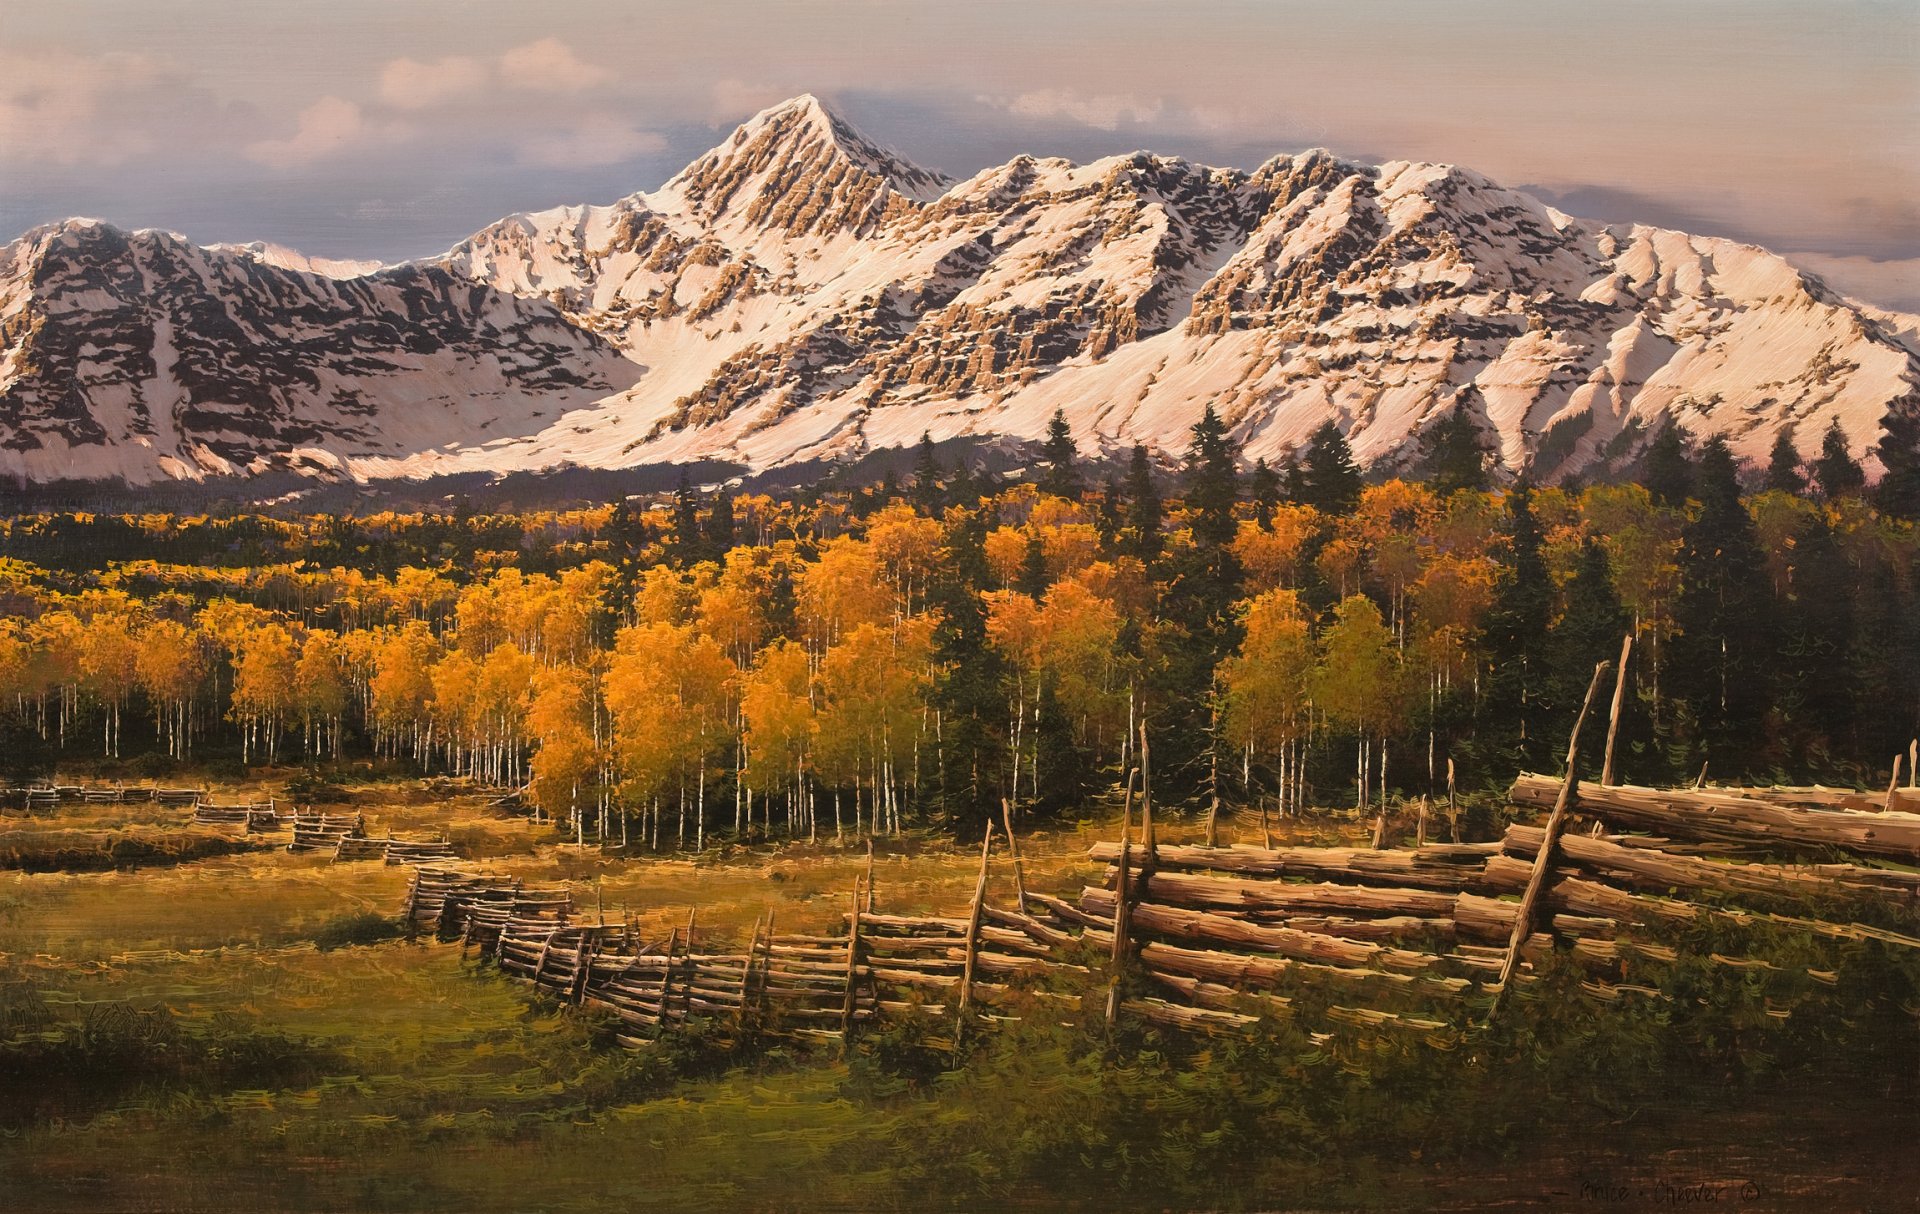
<point x="360" y="927"/>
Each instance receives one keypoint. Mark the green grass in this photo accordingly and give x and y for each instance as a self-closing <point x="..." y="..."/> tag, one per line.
<point x="173" y="1038"/>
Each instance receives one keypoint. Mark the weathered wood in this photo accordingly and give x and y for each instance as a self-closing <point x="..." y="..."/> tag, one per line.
<point x="1198" y="889"/>
<point x="1183" y="922"/>
<point x="973" y="931"/>
<point x="1651" y="869"/>
<point x="853" y="962"/>
<point x="1013" y="853"/>
<point x="1266" y="970"/>
<point x="1613" y="715"/>
<point x="1523" y="920"/>
<point x="1442" y="866"/>
<point x="1718" y="815"/>
<point x="1123" y="894"/>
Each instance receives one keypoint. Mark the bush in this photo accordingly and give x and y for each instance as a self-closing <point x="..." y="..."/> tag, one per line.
<point x="360" y="927"/>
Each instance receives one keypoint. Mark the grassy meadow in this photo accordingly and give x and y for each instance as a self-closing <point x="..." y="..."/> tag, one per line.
<point x="172" y="1037"/>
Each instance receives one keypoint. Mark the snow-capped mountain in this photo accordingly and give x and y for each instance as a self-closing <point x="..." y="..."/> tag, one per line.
<point x="799" y="292"/>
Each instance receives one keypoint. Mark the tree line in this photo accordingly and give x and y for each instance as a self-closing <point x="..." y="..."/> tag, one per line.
<point x="870" y="660"/>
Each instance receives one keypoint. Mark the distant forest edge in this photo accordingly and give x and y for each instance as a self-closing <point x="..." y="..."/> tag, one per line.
<point x="846" y="657"/>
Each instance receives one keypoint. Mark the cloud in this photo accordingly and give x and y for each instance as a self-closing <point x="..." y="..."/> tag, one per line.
<point x="67" y="110"/>
<point x="734" y="99"/>
<point x="550" y="66"/>
<point x="328" y="127"/>
<point x="597" y="139"/>
<point x="1105" y="111"/>
<point x="1893" y="283"/>
<point x="409" y="84"/>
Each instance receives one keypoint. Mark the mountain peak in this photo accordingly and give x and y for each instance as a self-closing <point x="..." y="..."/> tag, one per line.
<point x="801" y="168"/>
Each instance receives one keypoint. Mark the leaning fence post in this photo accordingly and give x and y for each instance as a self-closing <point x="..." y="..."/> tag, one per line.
<point x="746" y="976"/>
<point x="1013" y="851"/>
<point x="1543" y="863"/>
<point x="973" y="935"/>
<point x="1613" y="718"/>
<point x="853" y="965"/>
<point x="1120" y="928"/>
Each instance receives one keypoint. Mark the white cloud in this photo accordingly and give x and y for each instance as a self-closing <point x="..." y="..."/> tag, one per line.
<point x="1893" y="283"/>
<point x="409" y="84"/>
<point x="597" y="139"/>
<point x="328" y="127"/>
<point x="1105" y="111"/>
<point x="64" y="109"/>
<point x="550" y="66"/>
<point x="734" y="99"/>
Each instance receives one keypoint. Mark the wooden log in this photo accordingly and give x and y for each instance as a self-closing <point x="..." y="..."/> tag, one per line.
<point x="1651" y="869"/>
<point x="1196" y="889"/>
<point x="1717" y="815"/>
<point x="1613" y="715"/>
<point x="1123" y="896"/>
<point x="853" y="962"/>
<point x="1523" y="919"/>
<point x="1240" y="969"/>
<point x="1186" y="923"/>
<point x="973" y="932"/>
<point x="1013" y="853"/>
<point x="1446" y="866"/>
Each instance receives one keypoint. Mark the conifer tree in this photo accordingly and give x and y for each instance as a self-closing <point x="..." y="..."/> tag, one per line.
<point x="1264" y="488"/>
<point x="1898" y="492"/>
<point x="1452" y="455"/>
<point x="1330" y="480"/>
<point x="1816" y="697"/>
<point x="1062" y="477"/>
<point x="1783" y="465"/>
<point x="1667" y="471"/>
<point x="1111" y="519"/>
<point x="970" y="697"/>
<point x="1721" y="661"/>
<point x="926" y="476"/>
<point x="1588" y="631"/>
<point x="1033" y="579"/>
<point x="720" y="530"/>
<point x="1144" y="513"/>
<point x="1836" y="473"/>
<point x="686" y="521"/>
<point x="1516" y="735"/>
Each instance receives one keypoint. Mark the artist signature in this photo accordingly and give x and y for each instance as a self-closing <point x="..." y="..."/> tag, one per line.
<point x="1672" y="1193"/>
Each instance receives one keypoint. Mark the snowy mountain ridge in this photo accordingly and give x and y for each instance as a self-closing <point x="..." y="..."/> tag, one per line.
<point x="799" y="292"/>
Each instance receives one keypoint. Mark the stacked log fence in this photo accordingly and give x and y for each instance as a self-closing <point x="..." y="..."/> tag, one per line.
<point x="1410" y="940"/>
<point x="324" y="832"/>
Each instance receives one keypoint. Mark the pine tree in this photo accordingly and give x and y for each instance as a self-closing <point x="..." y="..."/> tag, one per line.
<point x="1783" y="465"/>
<point x="1666" y="469"/>
<point x="1293" y="481"/>
<point x="686" y="521"/>
<point x="1515" y="735"/>
<point x="1588" y="631"/>
<point x="1330" y="480"/>
<point x="1111" y="519"/>
<point x="1452" y="456"/>
<point x="1817" y="699"/>
<point x="1032" y="580"/>
<point x="1144" y="514"/>
<point x="971" y="696"/>
<point x="1263" y="487"/>
<point x="1898" y="492"/>
<point x="1067" y="774"/>
<point x="720" y="529"/>
<point x="926" y="476"/>
<point x="1836" y="473"/>
<point x="1721" y="661"/>
<point x="1062" y="478"/>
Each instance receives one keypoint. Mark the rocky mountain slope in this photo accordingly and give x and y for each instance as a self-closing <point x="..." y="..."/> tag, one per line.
<point x="799" y="292"/>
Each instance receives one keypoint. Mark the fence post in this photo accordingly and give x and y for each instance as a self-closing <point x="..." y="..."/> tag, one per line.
<point x="1543" y="863"/>
<point x="1613" y="718"/>
<point x="973" y="936"/>
<point x="1013" y="851"/>
<point x="1120" y="928"/>
<point x="853" y="966"/>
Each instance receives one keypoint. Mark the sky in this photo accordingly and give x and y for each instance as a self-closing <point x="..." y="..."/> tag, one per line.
<point x="393" y="128"/>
